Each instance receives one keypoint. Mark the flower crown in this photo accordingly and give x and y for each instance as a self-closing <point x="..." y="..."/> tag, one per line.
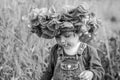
<point x="48" y="23"/>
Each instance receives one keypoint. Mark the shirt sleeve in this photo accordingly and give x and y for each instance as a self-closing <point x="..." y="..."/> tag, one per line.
<point x="95" y="64"/>
<point x="48" y="73"/>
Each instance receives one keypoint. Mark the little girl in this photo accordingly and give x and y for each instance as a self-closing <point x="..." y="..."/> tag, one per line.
<point x="71" y="58"/>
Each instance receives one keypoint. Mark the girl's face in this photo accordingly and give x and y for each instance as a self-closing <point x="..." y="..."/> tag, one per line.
<point x="68" y="40"/>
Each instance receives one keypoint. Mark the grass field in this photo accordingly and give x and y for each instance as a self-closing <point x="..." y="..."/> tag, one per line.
<point x="23" y="56"/>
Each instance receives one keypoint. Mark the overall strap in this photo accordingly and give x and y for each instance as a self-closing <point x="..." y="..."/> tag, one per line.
<point x="60" y="52"/>
<point x="81" y="48"/>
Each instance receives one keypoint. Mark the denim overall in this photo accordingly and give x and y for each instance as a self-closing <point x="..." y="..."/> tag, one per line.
<point x="69" y="67"/>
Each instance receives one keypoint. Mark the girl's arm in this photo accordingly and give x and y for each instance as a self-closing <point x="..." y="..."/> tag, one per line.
<point x="47" y="75"/>
<point x="95" y="64"/>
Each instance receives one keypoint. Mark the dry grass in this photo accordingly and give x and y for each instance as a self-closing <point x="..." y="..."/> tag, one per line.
<point x="22" y="54"/>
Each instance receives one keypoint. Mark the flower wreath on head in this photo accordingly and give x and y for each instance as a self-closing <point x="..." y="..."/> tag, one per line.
<point x="48" y="23"/>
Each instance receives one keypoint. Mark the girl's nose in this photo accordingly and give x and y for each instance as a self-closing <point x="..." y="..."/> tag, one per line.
<point x="62" y="40"/>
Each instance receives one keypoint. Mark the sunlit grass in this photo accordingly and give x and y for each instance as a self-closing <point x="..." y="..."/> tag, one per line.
<point x="22" y="54"/>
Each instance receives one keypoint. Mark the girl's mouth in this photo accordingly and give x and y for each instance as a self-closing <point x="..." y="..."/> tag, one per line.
<point x="66" y="46"/>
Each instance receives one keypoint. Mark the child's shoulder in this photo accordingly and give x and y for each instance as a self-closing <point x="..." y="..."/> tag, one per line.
<point x="55" y="48"/>
<point x="90" y="47"/>
<point x="89" y="50"/>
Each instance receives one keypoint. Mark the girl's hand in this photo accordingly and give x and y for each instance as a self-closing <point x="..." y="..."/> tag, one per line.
<point x="86" y="75"/>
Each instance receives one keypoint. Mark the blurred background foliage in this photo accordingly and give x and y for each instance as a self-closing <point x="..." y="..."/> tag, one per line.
<point x="23" y="56"/>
